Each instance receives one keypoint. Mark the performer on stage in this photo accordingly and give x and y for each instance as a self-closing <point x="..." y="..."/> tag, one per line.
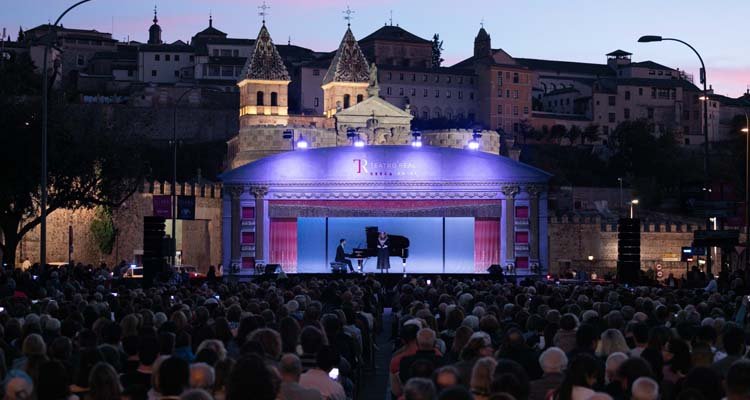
<point x="341" y="255"/>
<point x="384" y="256"/>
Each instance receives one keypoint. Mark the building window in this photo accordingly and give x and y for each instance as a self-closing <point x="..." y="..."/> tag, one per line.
<point x="227" y="70"/>
<point x="499" y="108"/>
<point x="348" y="100"/>
<point x="437" y="78"/>
<point x="460" y="80"/>
<point x="471" y="95"/>
<point x="316" y="102"/>
<point x="360" y="98"/>
<point x="612" y="117"/>
<point x="507" y="93"/>
<point x="213" y="70"/>
<point x="388" y="91"/>
<point x="176" y="73"/>
<point x="259" y="98"/>
<point x="526" y="110"/>
<point x="401" y="76"/>
<point x="316" y="72"/>
<point x="177" y="57"/>
<point x="226" y="52"/>
<point x="687" y="141"/>
<point x="627" y="113"/>
<point x="274" y="99"/>
<point x="413" y="77"/>
<point x="424" y="78"/>
<point x="515" y="110"/>
<point x="515" y="77"/>
<point x="450" y="79"/>
<point x="612" y="100"/>
<point x="157" y="57"/>
<point x="413" y="92"/>
<point x="515" y="127"/>
<point x="425" y="93"/>
<point x="605" y="130"/>
<point x="460" y="95"/>
<point x="650" y="113"/>
<point x="153" y="72"/>
<point x="390" y="76"/>
<point x="191" y="58"/>
<point x="215" y="52"/>
<point x="130" y="72"/>
<point x="235" y="53"/>
<point x="167" y="57"/>
<point x="448" y="94"/>
<point x="515" y="94"/>
<point x="627" y="95"/>
<point x="500" y="92"/>
<point x="651" y="72"/>
<point x="437" y="93"/>
<point x="640" y="91"/>
<point x="425" y="115"/>
<point x="400" y="91"/>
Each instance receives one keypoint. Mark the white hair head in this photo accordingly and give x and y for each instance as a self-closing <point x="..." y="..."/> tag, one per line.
<point x="553" y="360"/>
<point x="645" y="388"/>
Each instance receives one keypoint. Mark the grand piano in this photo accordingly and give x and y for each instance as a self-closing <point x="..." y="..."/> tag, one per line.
<point x="399" y="247"/>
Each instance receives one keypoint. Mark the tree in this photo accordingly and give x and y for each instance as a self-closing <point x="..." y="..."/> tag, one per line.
<point x="90" y="163"/>
<point x="591" y="133"/>
<point x="21" y="35"/>
<point x="437" y="51"/>
<point x="103" y="230"/>
<point x="526" y="130"/>
<point x="557" y="132"/>
<point x="573" y="134"/>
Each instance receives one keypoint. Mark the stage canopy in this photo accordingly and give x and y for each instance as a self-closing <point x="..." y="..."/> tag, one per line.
<point x="271" y="203"/>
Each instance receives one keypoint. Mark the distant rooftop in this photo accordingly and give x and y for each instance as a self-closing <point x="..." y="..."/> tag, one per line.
<point x="394" y="34"/>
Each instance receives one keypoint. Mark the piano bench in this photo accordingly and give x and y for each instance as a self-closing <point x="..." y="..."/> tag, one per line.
<point x="338" y="268"/>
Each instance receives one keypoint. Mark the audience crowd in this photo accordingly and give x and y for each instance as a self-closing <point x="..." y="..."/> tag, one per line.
<point x="74" y="333"/>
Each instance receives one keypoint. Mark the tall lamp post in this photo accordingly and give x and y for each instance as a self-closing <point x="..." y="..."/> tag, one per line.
<point x="654" y="38"/>
<point x="43" y="203"/>
<point x="746" y="129"/>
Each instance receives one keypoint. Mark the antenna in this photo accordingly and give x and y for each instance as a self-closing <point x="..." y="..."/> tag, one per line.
<point x="482" y="23"/>
<point x="289" y="42"/>
<point x="264" y="11"/>
<point x="390" y="20"/>
<point x="348" y="17"/>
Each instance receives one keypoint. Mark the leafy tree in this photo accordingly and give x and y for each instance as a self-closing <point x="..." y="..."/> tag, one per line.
<point x="557" y="132"/>
<point x="103" y="230"/>
<point x="526" y="130"/>
<point x="573" y="134"/>
<point x="591" y="133"/>
<point x="437" y="51"/>
<point x="90" y="163"/>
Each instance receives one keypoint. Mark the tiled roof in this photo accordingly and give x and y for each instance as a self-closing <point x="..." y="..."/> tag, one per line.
<point x="649" y="65"/>
<point x="659" y="83"/>
<point x="562" y="91"/>
<point x="619" y="53"/>
<point x="349" y="64"/>
<point x="394" y="34"/>
<point x="441" y="70"/>
<point x="265" y="63"/>
<point x="567" y="67"/>
<point x="177" y="47"/>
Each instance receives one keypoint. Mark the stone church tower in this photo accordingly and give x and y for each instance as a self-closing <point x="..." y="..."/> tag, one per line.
<point x="264" y="85"/>
<point x="346" y="81"/>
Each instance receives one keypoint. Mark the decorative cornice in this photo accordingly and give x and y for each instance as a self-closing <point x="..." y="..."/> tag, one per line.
<point x="534" y="190"/>
<point x="383" y="195"/>
<point x="493" y="185"/>
<point x="235" y="191"/>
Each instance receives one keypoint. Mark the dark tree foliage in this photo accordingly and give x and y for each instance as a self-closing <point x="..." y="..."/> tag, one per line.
<point x="437" y="51"/>
<point x="89" y="162"/>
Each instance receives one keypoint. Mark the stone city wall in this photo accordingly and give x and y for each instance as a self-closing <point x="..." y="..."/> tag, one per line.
<point x="201" y="237"/>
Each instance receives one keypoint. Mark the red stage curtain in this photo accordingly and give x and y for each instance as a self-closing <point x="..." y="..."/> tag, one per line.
<point x="486" y="243"/>
<point x="283" y="243"/>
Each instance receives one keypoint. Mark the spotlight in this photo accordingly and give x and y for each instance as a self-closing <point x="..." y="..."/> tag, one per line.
<point x="358" y="142"/>
<point x="416" y="139"/>
<point x="302" y="143"/>
<point x="473" y="144"/>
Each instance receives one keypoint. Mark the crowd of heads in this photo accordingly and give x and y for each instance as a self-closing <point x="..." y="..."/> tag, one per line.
<point x="66" y="333"/>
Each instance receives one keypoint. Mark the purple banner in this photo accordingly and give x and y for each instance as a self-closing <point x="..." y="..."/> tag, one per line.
<point x="163" y="206"/>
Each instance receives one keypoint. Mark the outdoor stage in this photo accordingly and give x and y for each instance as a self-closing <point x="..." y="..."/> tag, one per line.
<point x="460" y="210"/>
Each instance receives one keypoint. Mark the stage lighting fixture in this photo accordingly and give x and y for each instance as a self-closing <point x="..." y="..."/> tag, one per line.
<point x="358" y="142"/>
<point x="473" y="144"/>
<point x="416" y="139"/>
<point x="302" y="143"/>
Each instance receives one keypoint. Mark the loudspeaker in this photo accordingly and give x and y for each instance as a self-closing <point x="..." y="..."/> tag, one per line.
<point x="495" y="269"/>
<point x="271" y="269"/>
<point x="628" y="250"/>
<point x="153" y="248"/>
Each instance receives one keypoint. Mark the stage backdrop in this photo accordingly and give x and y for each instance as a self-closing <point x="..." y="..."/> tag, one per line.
<point x="434" y="247"/>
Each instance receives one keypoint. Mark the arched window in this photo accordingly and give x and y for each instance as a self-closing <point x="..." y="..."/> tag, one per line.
<point x="259" y="98"/>
<point x="360" y="98"/>
<point x="274" y="99"/>
<point x="347" y="101"/>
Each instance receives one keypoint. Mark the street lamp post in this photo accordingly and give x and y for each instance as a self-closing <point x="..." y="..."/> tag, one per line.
<point x="633" y="203"/>
<point x="45" y="95"/>
<point x="619" y="204"/>
<point x="654" y="38"/>
<point x="746" y="129"/>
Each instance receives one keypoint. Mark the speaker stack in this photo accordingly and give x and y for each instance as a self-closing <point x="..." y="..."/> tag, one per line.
<point x="153" y="248"/>
<point x="628" y="250"/>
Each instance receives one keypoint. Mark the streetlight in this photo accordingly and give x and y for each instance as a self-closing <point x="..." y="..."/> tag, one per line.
<point x="746" y="129"/>
<point x="45" y="95"/>
<point x="633" y="203"/>
<point x="654" y="38"/>
<point x="619" y="204"/>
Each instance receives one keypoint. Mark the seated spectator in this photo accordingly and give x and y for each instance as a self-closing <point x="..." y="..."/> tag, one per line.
<point x="553" y="362"/>
<point x="290" y="368"/>
<point x="481" y="378"/>
<point x="104" y="384"/>
<point x="419" y="389"/>
<point x="565" y="339"/>
<point x="426" y="359"/>
<point x="319" y="378"/>
<point x="733" y="340"/>
<point x="738" y="381"/>
<point x="446" y="377"/>
<point x="579" y="378"/>
<point x="174" y="377"/>
<point x="645" y="389"/>
<point x="201" y="376"/>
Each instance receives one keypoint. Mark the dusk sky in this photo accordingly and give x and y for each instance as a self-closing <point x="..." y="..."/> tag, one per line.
<point x="571" y="30"/>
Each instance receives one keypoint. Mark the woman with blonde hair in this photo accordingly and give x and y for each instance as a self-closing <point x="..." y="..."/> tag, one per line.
<point x="104" y="383"/>
<point x="481" y="378"/>
<point x="612" y="341"/>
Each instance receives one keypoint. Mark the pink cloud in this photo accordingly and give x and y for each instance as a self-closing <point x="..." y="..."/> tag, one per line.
<point x="732" y="81"/>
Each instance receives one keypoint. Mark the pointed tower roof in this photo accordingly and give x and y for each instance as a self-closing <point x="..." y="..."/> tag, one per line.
<point x="265" y="63"/>
<point x="349" y="64"/>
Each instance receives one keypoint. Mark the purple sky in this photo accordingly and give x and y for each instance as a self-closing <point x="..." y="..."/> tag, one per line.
<point x="579" y="30"/>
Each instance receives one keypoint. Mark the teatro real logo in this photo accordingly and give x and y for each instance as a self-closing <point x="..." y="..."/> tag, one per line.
<point x="363" y="167"/>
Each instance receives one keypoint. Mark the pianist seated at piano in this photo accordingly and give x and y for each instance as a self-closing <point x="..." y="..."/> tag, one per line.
<point x="341" y="256"/>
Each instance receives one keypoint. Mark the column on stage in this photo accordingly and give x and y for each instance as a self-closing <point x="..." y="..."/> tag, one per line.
<point x="509" y="214"/>
<point x="236" y="225"/>
<point x="261" y="223"/>
<point x="534" y="192"/>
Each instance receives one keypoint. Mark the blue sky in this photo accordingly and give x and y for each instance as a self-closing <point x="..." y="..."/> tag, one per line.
<point x="573" y="30"/>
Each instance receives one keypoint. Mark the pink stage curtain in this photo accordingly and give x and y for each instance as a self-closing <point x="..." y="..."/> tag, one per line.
<point x="486" y="243"/>
<point x="283" y="243"/>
